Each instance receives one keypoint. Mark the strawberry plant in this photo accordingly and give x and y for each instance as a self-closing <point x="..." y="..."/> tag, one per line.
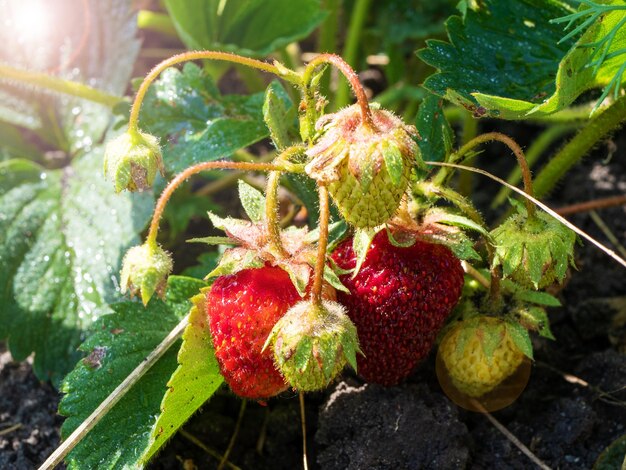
<point x="280" y="238"/>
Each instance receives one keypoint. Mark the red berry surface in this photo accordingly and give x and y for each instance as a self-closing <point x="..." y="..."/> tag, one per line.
<point x="398" y="301"/>
<point x="243" y="308"/>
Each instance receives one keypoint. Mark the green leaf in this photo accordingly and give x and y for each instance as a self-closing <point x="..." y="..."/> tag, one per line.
<point x="62" y="236"/>
<point x="96" y="45"/>
<point x="505" y="59"/>
<point x="520" y="337"/>
<point x="253" y="201"/>
<point x="613" y="457"/>
<point x="120" y="341"/>
<point x="538" y="297"/>
<point x="195" y="380"/>
<point x="437" y="138"/>
<point x="196" y="123"/>
<point x="279" y="115"/>
<point x="461" y="221"/>
<point x="394" y="163"/>
<point x="253" y="28"/>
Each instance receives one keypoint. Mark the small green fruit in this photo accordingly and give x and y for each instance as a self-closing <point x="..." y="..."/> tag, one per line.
<point x="366" y="168"/>
<point x="144" y="271"/>
<point x="131" y="161"/>
<point x="312" y="344"/>
<point x="534" y="251"/>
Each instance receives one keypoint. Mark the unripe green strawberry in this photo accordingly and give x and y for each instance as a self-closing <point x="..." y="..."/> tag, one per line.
<point x="144" y="271"/>
<point x="479" y="354"/>
<point x="312" y="344"/>
<point x="366" y="168"/>
<point x="534" y="251"/>
<point x="132" y="160"/>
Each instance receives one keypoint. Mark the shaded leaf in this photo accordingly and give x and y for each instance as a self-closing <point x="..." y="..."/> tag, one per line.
<point x="253" y="28"/>
<point x="437" y="138"/>
<point x="62" y="236"/>
<point x="520" y="337"/>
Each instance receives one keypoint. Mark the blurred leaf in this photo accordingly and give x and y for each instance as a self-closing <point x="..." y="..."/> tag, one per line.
<point x="196" y="123"/>
<point x="437" y="138"/>
<point x="192" y="384"/>
<point x="207" y="262"/>
<point x="62" y="235"/>
<point x="120" y="341"/>
<point x="91" y="41"/>
<point x="13" y="145"/>
<point x="613" y="457"/>
<point x="505" y="60"/>
<point x="251" y="27"/>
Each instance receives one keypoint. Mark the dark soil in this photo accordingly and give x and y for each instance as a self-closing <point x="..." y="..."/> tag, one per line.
<point x="573" y="408"/>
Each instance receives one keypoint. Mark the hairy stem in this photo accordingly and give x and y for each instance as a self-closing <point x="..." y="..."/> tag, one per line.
<point x="597" y="128"/>
<point x="322" y="245"/>
<point x="534" y="151"/>
<point x="351" y="47"/>
<point x="271" y="214"/>
<point x="192" y="170"/>
<point x="185" y="57"/>
<point x="539" y="204"/>
<point x="462" y="154"/>
<point x="58" y="84"/>
<point x="350" y="75"/>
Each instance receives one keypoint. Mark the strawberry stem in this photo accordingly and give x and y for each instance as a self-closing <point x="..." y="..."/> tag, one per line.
<point x="322" y="245"/>
<point x="185" y="57"/>
<point x="463" y="152"/>
<point x="192" y="170"/>
<point x="352" y="78"/>
<point x="271" y="202"/>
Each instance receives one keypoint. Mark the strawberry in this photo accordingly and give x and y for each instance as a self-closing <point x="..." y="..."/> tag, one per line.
<point x="242" y="309"/>
<point x="398" y="301"/>
<point x="367" y="169"/>
<point x="479" y="354"/>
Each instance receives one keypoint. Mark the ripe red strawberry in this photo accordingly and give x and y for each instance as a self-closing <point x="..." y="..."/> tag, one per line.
<point x="398" y="301"/>
<point x="243" y="308"/>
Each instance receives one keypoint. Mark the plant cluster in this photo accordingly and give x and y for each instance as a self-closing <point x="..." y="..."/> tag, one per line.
<point x="390" y="258"/>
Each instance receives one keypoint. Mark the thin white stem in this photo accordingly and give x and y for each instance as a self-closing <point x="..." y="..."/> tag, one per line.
<point x="115" y="396"/>
<point x="539" y="204"/>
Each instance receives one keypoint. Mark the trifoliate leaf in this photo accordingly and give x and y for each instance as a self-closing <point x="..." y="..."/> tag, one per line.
<point x="195" y="380"/>
<point x="62" y="236"/>
<point x="126" y="336"/>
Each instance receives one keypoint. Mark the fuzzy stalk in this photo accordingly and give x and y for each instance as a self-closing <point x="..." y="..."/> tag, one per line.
<point x="596" y="129"/>
<point x="351" y="47"/>
<point x="463" y="152"/>
<point x="322" y="245"/>
<point x="186" y="57"/>
<point x="192" y="170"/>
<point x="351" y="76"/>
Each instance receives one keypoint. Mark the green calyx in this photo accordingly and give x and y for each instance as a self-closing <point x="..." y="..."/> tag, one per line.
<point x="367" y="170"/>
<point x="145" y="270"/>
<point x="312" y="343"/>
<point x="132" y="160"/>
<point x="534" y="251"/>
